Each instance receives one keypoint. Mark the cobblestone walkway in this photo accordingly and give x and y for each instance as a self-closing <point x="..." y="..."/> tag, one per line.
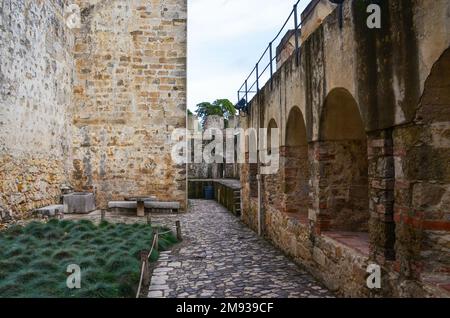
<point x="221" y="257"/>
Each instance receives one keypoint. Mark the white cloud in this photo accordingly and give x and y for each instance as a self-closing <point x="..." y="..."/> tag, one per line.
<point x="227" y="19"/>
<point x="225" y="39"/>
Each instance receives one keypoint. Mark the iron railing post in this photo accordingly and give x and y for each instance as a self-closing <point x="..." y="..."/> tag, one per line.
<point x="271" y="66"/>
<point x="257" y="78"/>
<point x="246" y="92"/>
<point x="296" y="33"/>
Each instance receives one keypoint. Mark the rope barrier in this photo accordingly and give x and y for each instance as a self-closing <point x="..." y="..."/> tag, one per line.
<point x="140" y="280"/>
<point x="143" y="266"/>
<point x="155" y="239"/>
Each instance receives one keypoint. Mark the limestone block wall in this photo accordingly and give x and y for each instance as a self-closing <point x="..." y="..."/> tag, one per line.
<point x="130" y="94"/>
<point x="35" y="103"/>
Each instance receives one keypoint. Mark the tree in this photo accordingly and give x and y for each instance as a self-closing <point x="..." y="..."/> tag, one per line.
<point x="220" y="107"/>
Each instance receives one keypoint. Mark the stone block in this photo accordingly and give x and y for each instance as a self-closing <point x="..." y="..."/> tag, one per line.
<point x="79" y="202"/>
<point x="5" y="215"/>
<point x="50" y="211"/>
<point x="122" y="205"/>
<point x="319" y="257"/>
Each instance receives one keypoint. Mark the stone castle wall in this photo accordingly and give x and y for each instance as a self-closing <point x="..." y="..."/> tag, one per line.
<point x="36" y="66"/>
<point x="385" y="185"/>
<point x="92" y="107"/>
<point x="130" y="94"/>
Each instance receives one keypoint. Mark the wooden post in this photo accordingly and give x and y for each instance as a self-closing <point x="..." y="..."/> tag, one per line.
<point x="103" y="215"/>
<point x="140" y="208"/>
<point x="149" y="219"/>
<point x="144" y="259"/>
<point x="156" y="239"/>
<point x="179" y="236"/>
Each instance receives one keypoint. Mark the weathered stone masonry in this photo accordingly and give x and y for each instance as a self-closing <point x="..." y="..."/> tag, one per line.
<point x="130" y="94"/>
<point x="36" y="66"/>
<point x="372" y="107"/>
<point x="92" y="107"/>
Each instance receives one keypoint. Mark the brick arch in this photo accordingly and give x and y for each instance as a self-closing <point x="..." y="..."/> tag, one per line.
<point x="422" y="187"/>
<point x="343" y="165"/>
<point x="295" y="166"/>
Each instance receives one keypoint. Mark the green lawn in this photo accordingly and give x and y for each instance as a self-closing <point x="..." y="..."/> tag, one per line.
<point x="34" y="259"/>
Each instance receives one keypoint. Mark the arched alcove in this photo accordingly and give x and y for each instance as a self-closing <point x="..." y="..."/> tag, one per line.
<point x="296" y="166"/>
<point x="271" y="180"/>
<point x="344" y="164"/>
<point x="272" y="125"/>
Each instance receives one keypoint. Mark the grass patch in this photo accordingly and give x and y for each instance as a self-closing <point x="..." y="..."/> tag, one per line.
<point x="34" y="259"/>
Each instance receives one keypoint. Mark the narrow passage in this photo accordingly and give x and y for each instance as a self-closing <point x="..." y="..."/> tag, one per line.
<point x="221" y="257"/>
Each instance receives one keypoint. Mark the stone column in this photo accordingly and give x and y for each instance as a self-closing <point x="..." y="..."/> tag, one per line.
<point x="318" y="212"/>
<point x="381" y="195"/>
<point x="322" y="157"/>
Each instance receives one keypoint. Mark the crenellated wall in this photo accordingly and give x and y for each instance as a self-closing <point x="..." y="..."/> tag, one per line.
<point x="376" y="113"/>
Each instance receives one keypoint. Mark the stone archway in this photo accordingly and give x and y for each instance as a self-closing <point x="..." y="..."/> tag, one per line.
<point x="343" y="165"/>
<point x="294" y="157"/>
<point x="422" y="194"/>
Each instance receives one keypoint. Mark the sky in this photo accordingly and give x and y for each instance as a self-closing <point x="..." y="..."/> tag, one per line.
<point x="225" y="40"/>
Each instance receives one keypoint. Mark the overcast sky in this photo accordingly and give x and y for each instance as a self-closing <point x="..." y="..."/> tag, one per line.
<point x="225" y="40"/>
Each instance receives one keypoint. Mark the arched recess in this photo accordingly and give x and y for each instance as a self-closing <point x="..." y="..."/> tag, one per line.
<point x="422" y="196"/>
<point x="272" y="125"/>
<point x="344" y="165"/>
<point x="271" y="180"/>
<point x="296" y="166"/>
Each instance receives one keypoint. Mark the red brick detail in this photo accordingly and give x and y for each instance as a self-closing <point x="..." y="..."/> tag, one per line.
<point x="417" y="222"/>
<point x="402" y="184"/>
<point x="396" y="266"/>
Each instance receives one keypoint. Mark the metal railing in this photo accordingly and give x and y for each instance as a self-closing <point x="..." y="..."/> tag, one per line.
<point x="249" y="88"/>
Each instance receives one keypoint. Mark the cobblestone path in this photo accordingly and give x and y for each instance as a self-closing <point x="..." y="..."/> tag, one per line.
<point x="221" y="257"/>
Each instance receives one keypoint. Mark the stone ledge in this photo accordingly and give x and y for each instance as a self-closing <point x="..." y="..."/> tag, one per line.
<point x="51" y="210"/>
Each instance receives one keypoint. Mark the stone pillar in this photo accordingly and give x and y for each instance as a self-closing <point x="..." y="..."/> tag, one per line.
<point x="381" y="195"/>
<point x="321" y="158"/>
<point x="317" y="213"/>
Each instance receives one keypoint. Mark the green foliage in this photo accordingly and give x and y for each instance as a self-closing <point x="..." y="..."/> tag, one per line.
<point x="220" y="107"/>
<point x="34" y="259"/>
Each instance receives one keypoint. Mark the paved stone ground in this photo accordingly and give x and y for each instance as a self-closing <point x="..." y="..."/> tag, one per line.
<point x="221" y="257"/>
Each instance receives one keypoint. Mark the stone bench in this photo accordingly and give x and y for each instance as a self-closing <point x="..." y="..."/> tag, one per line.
<point x="50" y="211"/>
<point x="153" y="206"/>
<point x="162" y="207"/>
<point x="122" y="205"/>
